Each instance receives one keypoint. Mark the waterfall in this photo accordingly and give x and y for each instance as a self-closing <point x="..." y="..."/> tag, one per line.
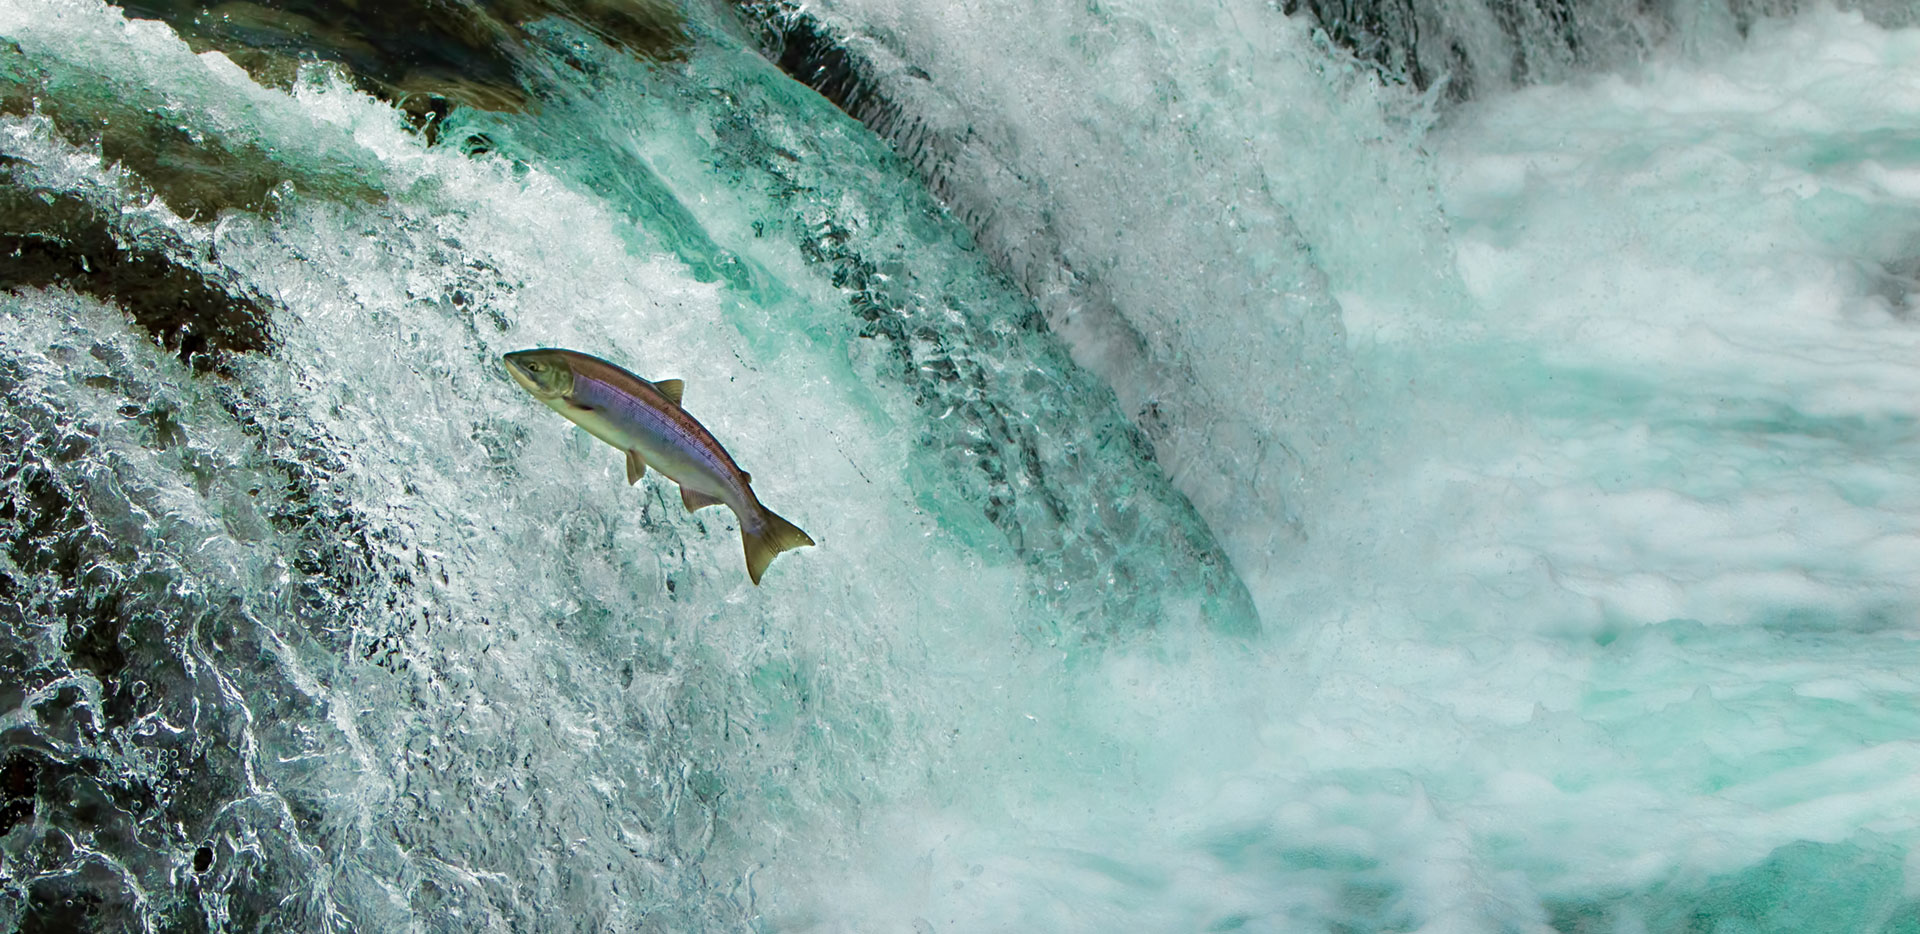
<point x="1275" y="467"/>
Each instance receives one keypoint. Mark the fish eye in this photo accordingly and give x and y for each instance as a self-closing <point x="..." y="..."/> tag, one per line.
<point x="535" y="367"/>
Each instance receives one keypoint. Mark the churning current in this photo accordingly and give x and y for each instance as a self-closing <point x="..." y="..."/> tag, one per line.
<point x="1258" y="484"/>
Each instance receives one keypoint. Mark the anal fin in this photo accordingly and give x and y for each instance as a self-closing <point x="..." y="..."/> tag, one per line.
<point x="636" y="468"/>
<point x="695" y="500"/>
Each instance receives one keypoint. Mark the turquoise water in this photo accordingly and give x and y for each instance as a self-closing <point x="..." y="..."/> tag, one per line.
<point x="1287" y="503"/>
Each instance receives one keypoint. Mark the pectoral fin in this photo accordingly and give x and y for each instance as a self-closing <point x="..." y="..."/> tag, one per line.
<point x="696" y="500"/>
<point x="671" y="388"/>
<point x="636" y="468"/>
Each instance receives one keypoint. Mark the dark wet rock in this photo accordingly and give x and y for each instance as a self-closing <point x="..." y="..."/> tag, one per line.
<point x="198" y="171"/>
<point x="423" y="54"/>
<point x="815" y="56"/>
<point x="428" y="57"/>
<point x="1418" y="42"/>
<point x="19" y="786"/>
<point x="55" y="239"/>
<point x="1513" y="43"/>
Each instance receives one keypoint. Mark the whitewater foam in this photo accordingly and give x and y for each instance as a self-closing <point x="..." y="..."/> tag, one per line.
<point x="1614" y="628"/>
<point x="1596" y="618"/>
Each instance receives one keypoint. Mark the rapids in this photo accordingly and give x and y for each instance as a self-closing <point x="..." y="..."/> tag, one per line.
<point x="1261" y="483"/>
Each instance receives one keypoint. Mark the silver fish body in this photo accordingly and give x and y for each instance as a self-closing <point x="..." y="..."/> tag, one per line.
<point x="644" y="420"/>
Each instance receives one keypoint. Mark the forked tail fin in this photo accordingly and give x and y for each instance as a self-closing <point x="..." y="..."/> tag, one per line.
<point x="775" y="536"/>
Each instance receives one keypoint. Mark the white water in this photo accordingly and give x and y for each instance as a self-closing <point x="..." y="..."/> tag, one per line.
<point x="1585" y="581"/>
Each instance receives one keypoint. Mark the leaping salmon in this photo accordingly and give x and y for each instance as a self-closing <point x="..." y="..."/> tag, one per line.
<point x="645" y="421"/>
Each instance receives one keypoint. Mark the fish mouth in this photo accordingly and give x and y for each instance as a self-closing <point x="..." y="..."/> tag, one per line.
<point x="521" y="376"/>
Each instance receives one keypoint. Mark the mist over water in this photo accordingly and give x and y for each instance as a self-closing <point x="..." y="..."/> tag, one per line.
<point x="1251" y="494"/>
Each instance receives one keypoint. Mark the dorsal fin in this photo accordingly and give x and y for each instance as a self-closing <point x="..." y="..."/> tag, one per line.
<point x="671" y="388"/>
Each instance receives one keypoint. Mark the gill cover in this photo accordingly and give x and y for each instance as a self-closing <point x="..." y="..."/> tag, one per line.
<point x="543" y="372"/>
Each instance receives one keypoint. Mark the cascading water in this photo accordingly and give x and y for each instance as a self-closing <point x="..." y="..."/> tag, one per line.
<point x="1264" y="496"/>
